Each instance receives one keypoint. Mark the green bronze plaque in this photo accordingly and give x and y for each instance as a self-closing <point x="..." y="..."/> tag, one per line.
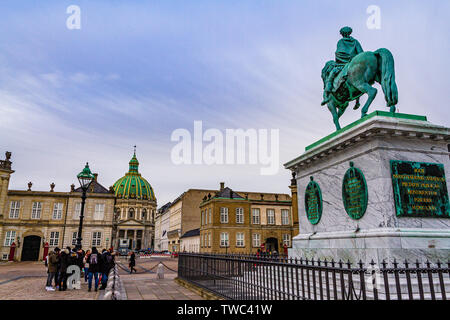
<point x="420" y="189"/>
<point x="354" y="192"/>
<point x="313" y="202"/>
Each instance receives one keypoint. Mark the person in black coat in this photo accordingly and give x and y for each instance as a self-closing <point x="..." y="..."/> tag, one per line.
<point x="62" y="270"/>
<point x="105" y="266"/>
<point x="132" y="262"/>
<point x="94" y="268"/>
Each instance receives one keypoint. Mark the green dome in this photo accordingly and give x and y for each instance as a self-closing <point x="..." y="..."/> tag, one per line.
<point x="133" y="185"/>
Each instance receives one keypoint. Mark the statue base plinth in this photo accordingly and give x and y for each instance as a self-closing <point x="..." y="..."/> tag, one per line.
<point x="381" y="233"/>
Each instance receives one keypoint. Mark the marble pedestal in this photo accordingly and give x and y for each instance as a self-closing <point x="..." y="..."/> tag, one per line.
<point x="370" y="144"/>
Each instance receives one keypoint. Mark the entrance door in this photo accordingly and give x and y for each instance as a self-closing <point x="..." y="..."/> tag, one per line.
<point x="31" y="247"/>
<point x="272" y="244"/>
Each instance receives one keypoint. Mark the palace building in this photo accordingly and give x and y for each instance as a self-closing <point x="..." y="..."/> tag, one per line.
<point x="38" y="221"/>
<point x="243" y="222"/>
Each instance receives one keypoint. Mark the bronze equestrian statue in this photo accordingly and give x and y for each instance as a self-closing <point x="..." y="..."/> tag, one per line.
<point x="353" y="73"/>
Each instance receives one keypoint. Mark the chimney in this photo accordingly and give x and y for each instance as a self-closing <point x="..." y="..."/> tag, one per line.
<point x="95" y="177"/>
<point x="222" y="186"/>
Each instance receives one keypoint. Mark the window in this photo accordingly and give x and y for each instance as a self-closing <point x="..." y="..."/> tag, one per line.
<point x="270" y="216"/>
<point x="54" y="238"/>
<point x="14" y="210"/>
<point x="96" y="238"/>
<point x="223" y="215"/>
<point x="224" y="239"/>
<point x="239" y="215"/>
<point x="284" y="216"/>
<point x="209" y="239"/>
<point x="74" y="238"/>
<point x="10" y="236"/>
<point x="239" y="239"/>
<point x="99" y="211"/>
<point x="256" y="240"/>
<point x="203" y="218"/>
<point x="77" y="211"/>
<point x="201" y="241"/>
<point x="210" y="217"/>
<point x="131" y="213"/>
<point x="57" y="211"/>
<point x="36" y="210"/>
<point x="287" y="240"/>
<point x="255" y="216"/>
<point x="143" y="214"/>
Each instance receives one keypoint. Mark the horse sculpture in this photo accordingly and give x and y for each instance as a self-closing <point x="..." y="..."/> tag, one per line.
<point x="357" y="78"/>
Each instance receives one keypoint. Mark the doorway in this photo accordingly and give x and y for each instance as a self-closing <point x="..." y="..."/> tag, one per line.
<point x="31" y="247"/>
<point x="272" y="244"/>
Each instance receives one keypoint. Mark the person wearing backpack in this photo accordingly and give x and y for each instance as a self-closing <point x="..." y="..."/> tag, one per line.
<point x="93" y="270"/>
<point x="86" y="265"/>
<point x="105" y="266"/>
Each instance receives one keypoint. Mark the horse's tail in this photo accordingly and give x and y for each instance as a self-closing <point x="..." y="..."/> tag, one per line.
<point x="388" y="76"/>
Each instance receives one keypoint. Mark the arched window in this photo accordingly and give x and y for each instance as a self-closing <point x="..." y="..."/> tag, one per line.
<point x="131" y="213"/>
<point x="144" y="212"/>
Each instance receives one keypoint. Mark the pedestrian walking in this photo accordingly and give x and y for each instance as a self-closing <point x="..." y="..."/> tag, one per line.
<point x="132" y="262"/>
<point x="93" y="268"/>
<point x="52" y="270"/>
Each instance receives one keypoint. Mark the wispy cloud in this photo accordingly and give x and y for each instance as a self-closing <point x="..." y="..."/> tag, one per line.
<point x="138" y="70"/>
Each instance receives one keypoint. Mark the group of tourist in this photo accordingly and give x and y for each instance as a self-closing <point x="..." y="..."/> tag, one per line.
<point x="92" y="264"/>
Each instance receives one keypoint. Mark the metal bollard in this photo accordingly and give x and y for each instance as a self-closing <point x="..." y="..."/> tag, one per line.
<point x="160" y="271"/>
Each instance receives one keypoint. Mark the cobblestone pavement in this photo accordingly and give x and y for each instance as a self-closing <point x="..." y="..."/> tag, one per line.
<point x="145" y="285"/>
<point x="26" y="281"/>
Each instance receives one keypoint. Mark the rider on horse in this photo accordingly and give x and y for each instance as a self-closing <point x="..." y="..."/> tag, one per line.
<point x="347" y="48"/>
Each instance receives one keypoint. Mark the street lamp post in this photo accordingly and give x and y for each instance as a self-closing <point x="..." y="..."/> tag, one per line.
<point x="85" y="178"/>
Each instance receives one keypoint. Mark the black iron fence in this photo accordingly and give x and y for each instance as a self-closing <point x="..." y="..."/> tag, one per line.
<point x="250" y="277"/>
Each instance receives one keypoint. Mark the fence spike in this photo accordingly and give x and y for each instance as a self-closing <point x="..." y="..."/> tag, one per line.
<point x="395" y="263"/>
<point x="417" y="263"/>
<point x="361" y="264"/>
<point x="428" y="264"/>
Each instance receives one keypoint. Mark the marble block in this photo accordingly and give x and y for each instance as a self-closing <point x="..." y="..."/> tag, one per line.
<point x="380" y="234"/>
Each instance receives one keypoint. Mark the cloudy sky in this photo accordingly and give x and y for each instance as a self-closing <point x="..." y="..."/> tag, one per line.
<point x="137" y="70"/>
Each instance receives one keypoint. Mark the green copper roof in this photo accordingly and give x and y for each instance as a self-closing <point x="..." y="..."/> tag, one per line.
<point x="133" y="185"/>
